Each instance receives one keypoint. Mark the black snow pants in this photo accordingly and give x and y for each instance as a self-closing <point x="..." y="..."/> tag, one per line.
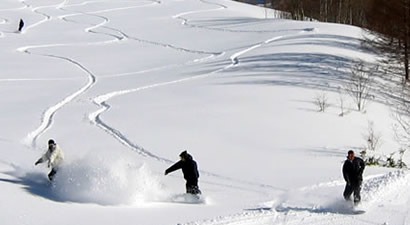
<point x="192" y="187"/>
<point x="52" y="174"/>
<point x="355" y="189"/>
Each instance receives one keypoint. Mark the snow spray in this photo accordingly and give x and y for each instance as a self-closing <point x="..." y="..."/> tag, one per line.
<point x="106" y="180"/>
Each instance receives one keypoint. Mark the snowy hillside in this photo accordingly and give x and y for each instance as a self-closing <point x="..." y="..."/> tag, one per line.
<point x="124" y="86"/>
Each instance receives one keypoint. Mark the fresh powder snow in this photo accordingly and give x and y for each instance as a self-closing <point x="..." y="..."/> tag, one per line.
<point x="124" y="86"/>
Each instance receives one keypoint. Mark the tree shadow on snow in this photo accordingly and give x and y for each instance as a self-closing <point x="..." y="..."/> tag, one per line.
<point x="317" y="71"/>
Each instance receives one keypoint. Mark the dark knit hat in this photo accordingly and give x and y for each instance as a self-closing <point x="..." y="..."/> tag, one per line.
<point x="51" y="141"/>
<point x="183" y="154"/>
<point x="350" y="152"/>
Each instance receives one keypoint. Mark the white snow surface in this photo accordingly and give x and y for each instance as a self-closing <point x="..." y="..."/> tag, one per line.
<point x="124" y="86"/>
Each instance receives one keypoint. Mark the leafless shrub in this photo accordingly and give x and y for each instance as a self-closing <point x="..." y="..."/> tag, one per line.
<point x="341" y="103"/>
<point x="373" y="139"/>
<point x="321" y="101"/>
<point x="359" y="84"/>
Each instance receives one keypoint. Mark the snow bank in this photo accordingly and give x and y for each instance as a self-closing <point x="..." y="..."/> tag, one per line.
<point x="377" y="187"/>
<point x="106" y="180"/>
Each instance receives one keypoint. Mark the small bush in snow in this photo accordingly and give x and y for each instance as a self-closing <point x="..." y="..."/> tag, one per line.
<point x="372" y="161"/>
<point x="341" y="104"/>
<point x="373" y="139"/>
<point x="390" y="162"/>
<point x="400" y="162"/>
<point x="321" y="102"/>
<point x="359" y="84"/>
<point x="372" y="158"/>
<point x="384" y="161"/>
<point x="372" y="144"/>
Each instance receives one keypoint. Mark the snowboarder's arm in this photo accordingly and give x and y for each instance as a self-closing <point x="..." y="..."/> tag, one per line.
<point x="344" y="171"/>
<point x="196" y="170"/>
<point x="174" y="167"/>
<point x="40" y="160"/>
<point x="362" y="166"/>
<point x="43" y="158"/>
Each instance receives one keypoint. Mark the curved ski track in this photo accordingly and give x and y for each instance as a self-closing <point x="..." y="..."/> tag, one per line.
<point x="102" y="100"/>
<point x="3" y="10"/>
<point x="48" y="115"/>
<point x="373" y="186"/>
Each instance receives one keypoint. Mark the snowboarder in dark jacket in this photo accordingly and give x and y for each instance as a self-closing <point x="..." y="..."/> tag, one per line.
<point x="353" y="174"/>
<point x="190" y="171"/>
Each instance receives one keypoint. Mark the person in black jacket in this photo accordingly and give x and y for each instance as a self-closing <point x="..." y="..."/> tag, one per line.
<point x="190" y="171"/>
<point x="21" y="25"/>
<point x="353" y="174"/>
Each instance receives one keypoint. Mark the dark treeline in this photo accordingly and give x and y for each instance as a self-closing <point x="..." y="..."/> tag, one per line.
<point x="389" y="20"/>
<point x="338" y="11"/>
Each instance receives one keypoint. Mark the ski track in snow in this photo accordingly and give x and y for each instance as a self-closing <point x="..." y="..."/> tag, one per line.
<point x="13" y="9"/>
<point x="48" y="115"/>
<point x="37" y="11"/>
<point x="101" y="100"/>
<point x="374" y="188"/>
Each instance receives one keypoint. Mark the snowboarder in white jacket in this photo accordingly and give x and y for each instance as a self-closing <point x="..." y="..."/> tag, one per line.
<point x="53" y="157"/>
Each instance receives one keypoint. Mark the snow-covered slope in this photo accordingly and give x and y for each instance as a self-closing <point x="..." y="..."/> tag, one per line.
<point x="124" y="86"/>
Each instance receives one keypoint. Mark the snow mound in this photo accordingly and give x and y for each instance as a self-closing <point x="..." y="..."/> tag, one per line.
<point x="106" y="181"/>
<point x="375" y="188"/>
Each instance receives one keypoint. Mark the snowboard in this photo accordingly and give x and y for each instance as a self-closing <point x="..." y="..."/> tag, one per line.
<point x="356" y="209"/>
<point x="187" y="198"/>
